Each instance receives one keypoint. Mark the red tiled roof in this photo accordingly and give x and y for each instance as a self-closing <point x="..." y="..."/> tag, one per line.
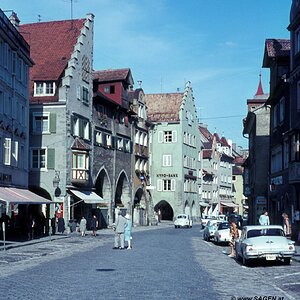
<point x="217" y="137"/>
<point x="205" y="132"/>
<point x="51" y="46"/>
<point x="224" y="142"/>
<point x="80" y="144"/>
<point x="163" y="107"/>
<point x="278" y="47"/>
<point x="111" y="75"/>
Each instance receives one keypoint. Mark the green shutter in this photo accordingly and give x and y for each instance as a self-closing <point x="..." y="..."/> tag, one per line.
<point x="53" y="123"/>
<point x="50" y="158"/>
<point x="81" y="128"/>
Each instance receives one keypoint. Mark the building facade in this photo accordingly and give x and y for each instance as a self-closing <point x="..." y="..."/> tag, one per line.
<point x="175" y="146"/>
<point x="256" y="167"/>
<point x="60" y="156"/>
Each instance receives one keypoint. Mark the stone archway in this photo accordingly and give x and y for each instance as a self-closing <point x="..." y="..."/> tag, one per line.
<point x="104" y="190"/>
<point x="122" y="193"/>
<point x="187" y="209"/>
<point x="165" y="209"/>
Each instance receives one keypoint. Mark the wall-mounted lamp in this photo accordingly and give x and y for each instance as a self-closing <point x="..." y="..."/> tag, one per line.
<point x="56" y="179"/>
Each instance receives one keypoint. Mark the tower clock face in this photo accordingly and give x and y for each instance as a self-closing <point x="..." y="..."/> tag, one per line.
<point x="86" y="68"/>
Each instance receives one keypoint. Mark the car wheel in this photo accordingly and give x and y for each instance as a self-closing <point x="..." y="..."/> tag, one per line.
<point x="287" y="260"/>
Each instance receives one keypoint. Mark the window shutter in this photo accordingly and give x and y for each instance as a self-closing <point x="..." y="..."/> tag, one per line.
<point x="160" y="136"/>
<point x="159" y="185"/>
<point x="53" y="123"/>
<point x="173" y="184"/>
<point x="15" y="148"/>
<point x="174" y="136"/>
<point x="81" y="128"/>
<point x="51" y="158"/>
<point x="131" y="147"/>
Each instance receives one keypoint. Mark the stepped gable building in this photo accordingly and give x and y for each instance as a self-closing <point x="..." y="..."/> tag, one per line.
<point x="113" y="145"/>
<point x="217" y="163"/>
<point x="277" y="59"/>
<point x="60" y="114"/>
<point x="175" y="153"/>
<point x="15" y="63"/>
<point x="256" y="167"/>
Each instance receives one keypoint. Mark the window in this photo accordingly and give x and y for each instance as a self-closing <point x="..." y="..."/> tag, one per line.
<point x="276" y="159"/>
<point x="38" y="158"/>
<point x="281" y="110"/>
<point x="166" y="185"/>
<point x="15" y="153"/>
<point x="98" y="137"/>
<point x="167" y="160"/>
<point x="7" y="151"/>
<point x="80" y="162"/>
<point x="108" y="140"/>
<point x="286" y="151"/>
<point x="297" y="41"/>
<point x="167" y="136"/>
<point x="109" y="89"/>
<point x="40" y="123"/>
<point x="85" y="95"/>
<point x="120" y="144"/>
<point x="295" y="147"/>
<point x="44" y="88"/>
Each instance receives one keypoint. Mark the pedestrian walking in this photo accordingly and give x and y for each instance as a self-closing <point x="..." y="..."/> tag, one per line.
<point x="94" y="225"/>
<point x="128" y="229"/>
<point x="61" y="225"/>
<point x="82" y="226"/>
<point x="119" y="231"/>
<point x="264" y="218"/>
<point x="53" y="224"/>
<point x="234" y="233"/>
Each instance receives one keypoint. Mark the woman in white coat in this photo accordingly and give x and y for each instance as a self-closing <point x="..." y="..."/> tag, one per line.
<point x="128" y="229"/>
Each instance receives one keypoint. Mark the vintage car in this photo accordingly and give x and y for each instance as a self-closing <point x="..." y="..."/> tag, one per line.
<point x="264" y="242"/>
<point x="183" y="220"/>
<point x="210" y="228"/>
<point x="222" y="233"/>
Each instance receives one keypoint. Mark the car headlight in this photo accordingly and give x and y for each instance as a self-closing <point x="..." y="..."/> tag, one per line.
<point x="249" y="248"/>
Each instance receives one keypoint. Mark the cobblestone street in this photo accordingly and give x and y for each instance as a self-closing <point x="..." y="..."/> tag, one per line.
<point x="165" y="263"/>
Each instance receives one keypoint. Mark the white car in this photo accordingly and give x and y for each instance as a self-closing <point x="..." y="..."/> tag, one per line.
<point x="183" y="220"/>
<point x="264" y="242"/>
<point x="222" y="233"/>
<point x="210" y="228"/>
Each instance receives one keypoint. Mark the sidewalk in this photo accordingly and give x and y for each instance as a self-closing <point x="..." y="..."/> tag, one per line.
<point x="15" y="244"/>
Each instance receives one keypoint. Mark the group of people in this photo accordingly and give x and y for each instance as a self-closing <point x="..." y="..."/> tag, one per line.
<point x="123" y="228"/>
<point x="83" y="224"/>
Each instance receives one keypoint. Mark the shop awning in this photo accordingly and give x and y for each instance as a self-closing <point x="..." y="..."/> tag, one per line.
<point x="21" y="196"/>
<point x="229" y="204"/>
<point x="204" y="204"/>
<point x="88" y="197"/>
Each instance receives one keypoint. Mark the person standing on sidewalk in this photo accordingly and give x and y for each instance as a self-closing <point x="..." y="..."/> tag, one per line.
<point x="53" y="224"/>
<point x="94" y="225"/>
<point x="264" y="218"/>
<point x="234" y="233"/>
<point x="82" y="226"/>
<point x="119" y="231"/>
<point x="128" y="229"/>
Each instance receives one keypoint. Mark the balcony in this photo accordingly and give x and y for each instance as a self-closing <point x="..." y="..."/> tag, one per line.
<point x="80" y="177"/>
<point x="294" y="172"/>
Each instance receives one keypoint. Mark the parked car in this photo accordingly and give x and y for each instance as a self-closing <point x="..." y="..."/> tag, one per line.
<point x="222" y="233"/>
<point x="264" y="243"/>
<point x="210" y="228"/>
<point x="205" y="220"/>
<point x="183" y="220"/>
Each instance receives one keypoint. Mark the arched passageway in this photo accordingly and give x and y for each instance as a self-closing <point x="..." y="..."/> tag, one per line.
<point x="166" y="210"/>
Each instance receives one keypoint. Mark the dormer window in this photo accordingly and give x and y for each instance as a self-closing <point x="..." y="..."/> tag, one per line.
<point x="44" y="88"/>
<point x="109" y="89"/>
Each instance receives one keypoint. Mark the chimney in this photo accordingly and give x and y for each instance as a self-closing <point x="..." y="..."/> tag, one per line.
<point x="14" y="20"/>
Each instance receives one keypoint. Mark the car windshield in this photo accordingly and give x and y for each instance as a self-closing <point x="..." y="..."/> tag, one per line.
<point x="265" y="232"/>
<point x="181" y="217"/>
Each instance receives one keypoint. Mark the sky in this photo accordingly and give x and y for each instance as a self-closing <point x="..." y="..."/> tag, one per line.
<point x="217" y="45"/>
